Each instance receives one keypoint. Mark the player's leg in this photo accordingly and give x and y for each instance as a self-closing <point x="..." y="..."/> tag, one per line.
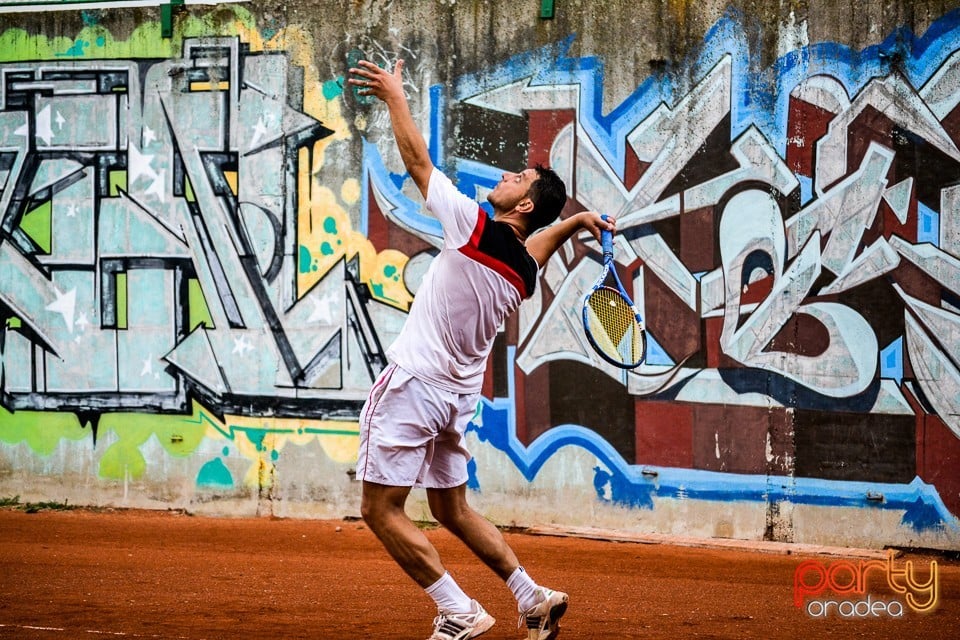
<point x="398" y="426"/>
<point x="382" y="508"/>
<point x="450" y="508"/>
<point x="395" y="438"/>
<point x="458" y="616"/>
<point x="540" y="608"/>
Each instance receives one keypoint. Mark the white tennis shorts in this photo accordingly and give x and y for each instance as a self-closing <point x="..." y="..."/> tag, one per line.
<point x="412" y="433"/>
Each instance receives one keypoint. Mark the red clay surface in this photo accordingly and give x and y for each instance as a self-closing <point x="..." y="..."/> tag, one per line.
<point x="136" y="574"/>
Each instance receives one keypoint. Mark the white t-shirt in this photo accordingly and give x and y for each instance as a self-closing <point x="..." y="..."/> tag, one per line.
<point x="479" y="278"/>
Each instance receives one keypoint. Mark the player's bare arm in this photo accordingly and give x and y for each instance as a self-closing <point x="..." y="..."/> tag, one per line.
<point x="371" y="80"/>
<point x="542" y="244"/>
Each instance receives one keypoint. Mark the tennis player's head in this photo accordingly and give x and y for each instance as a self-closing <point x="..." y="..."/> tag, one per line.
<point x="535" y="195"/>
<point x="549" y="195"/>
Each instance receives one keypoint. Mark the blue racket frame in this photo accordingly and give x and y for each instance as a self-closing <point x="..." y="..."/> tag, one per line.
<point x="606" y="244"/>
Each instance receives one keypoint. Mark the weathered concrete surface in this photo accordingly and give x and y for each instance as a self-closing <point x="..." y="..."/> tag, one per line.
<point x="207" y="243"/>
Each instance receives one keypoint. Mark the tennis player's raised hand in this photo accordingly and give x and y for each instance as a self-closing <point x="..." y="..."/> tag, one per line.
<point x="371" y="80"/>
<point x="377" y="82"/>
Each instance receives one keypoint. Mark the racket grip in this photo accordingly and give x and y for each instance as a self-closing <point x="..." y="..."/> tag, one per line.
<point x="606" y="239"/>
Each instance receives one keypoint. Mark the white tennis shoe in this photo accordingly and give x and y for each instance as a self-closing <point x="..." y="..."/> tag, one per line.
<point x="460" y="626"/>
<point x="543" y="619"/>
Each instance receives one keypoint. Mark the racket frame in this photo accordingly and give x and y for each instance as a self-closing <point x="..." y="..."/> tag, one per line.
<point x="606" y="245"/>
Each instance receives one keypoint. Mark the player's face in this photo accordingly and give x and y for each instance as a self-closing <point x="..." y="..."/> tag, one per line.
<point x="512" y="189"/>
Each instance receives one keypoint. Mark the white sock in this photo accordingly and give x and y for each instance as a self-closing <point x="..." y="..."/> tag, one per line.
<point x="449" y="596"/>
<point x="524" y="589"/>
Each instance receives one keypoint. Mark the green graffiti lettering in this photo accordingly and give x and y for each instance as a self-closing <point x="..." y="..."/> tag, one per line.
<point x="41" y="431"/>
<point x="121" y="462"/>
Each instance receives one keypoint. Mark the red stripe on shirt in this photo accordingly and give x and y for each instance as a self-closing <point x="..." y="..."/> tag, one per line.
<point x="474" y="240"/>
<point x="472" y="251"/>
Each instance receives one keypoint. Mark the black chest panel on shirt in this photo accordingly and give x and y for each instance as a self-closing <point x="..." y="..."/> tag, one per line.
<point x="495" y="245"/>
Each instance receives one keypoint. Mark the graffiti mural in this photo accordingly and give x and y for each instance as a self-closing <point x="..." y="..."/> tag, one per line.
<point x="182" y="257"/>
<point x="150" y="223"/>
<point x="794" y="249"/>
<point x="167" y="246"/>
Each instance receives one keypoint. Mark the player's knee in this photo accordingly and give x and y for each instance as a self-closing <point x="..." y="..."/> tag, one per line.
<point x="377" y="509"/>
<point x="370" y="511"/>
<point x="451" y="518"/>
<point x="440" y="516"/>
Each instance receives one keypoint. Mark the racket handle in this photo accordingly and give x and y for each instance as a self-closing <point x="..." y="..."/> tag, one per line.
<point x="606" y="240"/>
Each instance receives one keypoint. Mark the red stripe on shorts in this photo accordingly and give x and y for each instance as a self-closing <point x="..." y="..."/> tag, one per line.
<point x="381" y="382"/>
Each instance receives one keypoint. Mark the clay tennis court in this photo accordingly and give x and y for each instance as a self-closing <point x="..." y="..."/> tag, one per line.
<point x="141" y="574"/>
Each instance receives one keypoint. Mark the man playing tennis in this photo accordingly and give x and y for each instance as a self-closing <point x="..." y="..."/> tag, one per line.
<point x="413" y="423"/>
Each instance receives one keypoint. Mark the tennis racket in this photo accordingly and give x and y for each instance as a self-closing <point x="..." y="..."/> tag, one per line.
<point x="610" y="319"/>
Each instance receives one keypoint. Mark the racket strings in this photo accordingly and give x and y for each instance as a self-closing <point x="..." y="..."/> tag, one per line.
<point x="614" y="327"/>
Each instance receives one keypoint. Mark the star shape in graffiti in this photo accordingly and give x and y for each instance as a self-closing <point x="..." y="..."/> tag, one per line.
<point x="82" y="321"/>
<point x="72" y="211"/>
<point x="65" y="305"/>
<point x="241" y="345"/>
<point x="322" y="310"/>
<point x="148" y="135"/>
<point x="147" y="366"/>
<point x="259" y="131"/>
<point x="139" y="164"/>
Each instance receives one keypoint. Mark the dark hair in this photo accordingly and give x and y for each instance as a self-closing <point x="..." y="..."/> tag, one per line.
<point x="549" y="195"/>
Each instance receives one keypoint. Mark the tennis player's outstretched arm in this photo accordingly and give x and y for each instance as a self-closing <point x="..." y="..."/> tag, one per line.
<point x="542" y="244"/>
<point x="388" y="87"/>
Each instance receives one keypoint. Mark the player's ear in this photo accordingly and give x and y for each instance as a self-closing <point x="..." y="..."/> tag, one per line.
<point x="525" y="206"/>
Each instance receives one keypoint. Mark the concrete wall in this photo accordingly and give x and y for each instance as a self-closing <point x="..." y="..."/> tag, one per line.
<point x="207" y="244"/>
